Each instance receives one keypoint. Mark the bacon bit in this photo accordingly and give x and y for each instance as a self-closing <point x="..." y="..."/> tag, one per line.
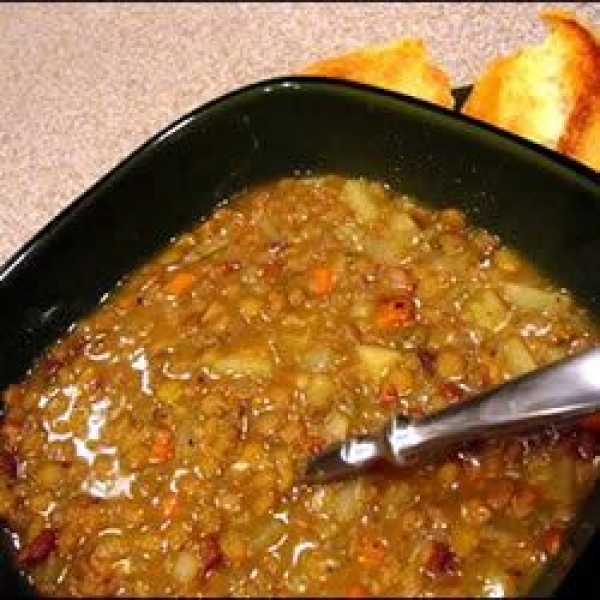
<point x="169" y="506"/>
<point x="451" y="391"/>
<point x="357" y="591"/>
<point x="393" y="313"/>
<point x="12" y="431"/>
<point x="148" y="283"/>
<point x="388" y="394"/>
<point x="584" y="445"/>
<point x="321" y="281"/>
<point x="163" y="448"/>
<point x="427" y="359"/>
<point x="551" y="540"/>
<point x="491" y="373"/>
<point x="39" y="548"/>
<point x="371" y="551"/>
<point x="12" y="394"/>
<point x="474" y="511"/>
<point x="230" y="266"/>
<point x="269" y="271"/>
<point x="315" y="444"/>
<point x="277" y="246"/>
<point x="591" y="423"/>
<point x="211" y="553"/>
<point x="8" y="464"/>
<point x="499" y="493"/>
<point x="514" y="451"/>
<point x="179" y="283"/>
<point x="51" y="364"/>
<point x="472" y="447"/>
<point x="524" y="502"/>
<point x="421" y="216"/>
<point x="441" y="560"/>
<point x="98" y="383"/>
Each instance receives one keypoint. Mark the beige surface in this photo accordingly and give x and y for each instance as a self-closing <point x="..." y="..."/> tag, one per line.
<point x="84" y="85"/>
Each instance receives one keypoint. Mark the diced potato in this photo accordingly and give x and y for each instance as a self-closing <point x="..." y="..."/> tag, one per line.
<point x="352" y="237"/>
<point x="403" y="225"/>
<point x="348" y="502"/>
<point x="319" y="390"/>
<point x="294" y="342"/>
<point x="48" y="475"/>
<point x="246" y="362"/>
<point x="402" y="379"/>
<point x="250" y="307"/>
<point x="361" y="310"/>
<point x="268" y="535"/>
<point x="234" y="547"/>
<point x="564" y="481"/>
<point x="169" y="392"/>
<point x="335" y="426"/>
<point x="357" y="195"/>
<point x="531" y="298"/>
<point x="376" y="361"/>
<point x="185" y="567"/>
<point x="318" y="359"/>
<point x="396" y="499"/>
<point x="507" y="260"/>
<point x="464" y="539"/>
<point x="553" y="354"/>
<point x="450" y="364"/>
<point x="487" y="310"/>
<point x="516" y="356"/>
<point x="382" y="249"/>
<point x="213" y="312"/>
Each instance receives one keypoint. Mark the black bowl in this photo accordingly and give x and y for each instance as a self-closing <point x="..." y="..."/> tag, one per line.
<point x="545" y="205"/>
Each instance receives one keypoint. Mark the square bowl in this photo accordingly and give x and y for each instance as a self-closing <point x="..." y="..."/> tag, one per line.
<point x="545" y="205"/>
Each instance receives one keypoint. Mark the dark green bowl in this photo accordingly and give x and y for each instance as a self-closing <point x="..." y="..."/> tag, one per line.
<point x="545" y="205"/>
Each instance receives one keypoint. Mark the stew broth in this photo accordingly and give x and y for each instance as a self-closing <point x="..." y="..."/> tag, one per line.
<point x="156" y="448"/>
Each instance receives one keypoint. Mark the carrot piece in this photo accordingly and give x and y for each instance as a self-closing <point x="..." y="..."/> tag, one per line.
<point x="551" y="540"/>
<point x="371" y="551"/>
<point x="357" y="591"/>
<point x="169" y="505"/>
<point x="163" y="447"/>
<point x="395" y="313"/>
<point x="388" y="394"/>
<point x="321" y="281"/>
<point x="591" y="423"/>
<point x="179" y="283"/>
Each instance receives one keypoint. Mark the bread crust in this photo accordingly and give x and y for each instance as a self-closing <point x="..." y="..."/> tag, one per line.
<point x="402" y="66"/>
<point x="548" y="93"/>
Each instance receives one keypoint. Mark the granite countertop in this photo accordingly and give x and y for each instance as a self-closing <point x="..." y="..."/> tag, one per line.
<point x="83" y="85"/>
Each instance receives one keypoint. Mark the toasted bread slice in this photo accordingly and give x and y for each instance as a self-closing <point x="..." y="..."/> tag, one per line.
<point x="586" y="147"/>
<point x="548" y="93"/>
<point x="402" y="66"/>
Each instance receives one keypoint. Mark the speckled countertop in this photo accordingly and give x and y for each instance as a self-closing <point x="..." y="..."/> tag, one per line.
<point x="85" y="84"/>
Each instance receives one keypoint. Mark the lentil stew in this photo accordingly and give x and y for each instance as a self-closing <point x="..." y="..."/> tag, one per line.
<point x="155" y="449"/>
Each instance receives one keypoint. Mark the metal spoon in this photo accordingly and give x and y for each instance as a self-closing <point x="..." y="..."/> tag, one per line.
<point x="566" y="390"/>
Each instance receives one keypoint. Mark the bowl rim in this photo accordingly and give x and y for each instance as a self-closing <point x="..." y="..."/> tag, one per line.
<point x="273" y="85"/>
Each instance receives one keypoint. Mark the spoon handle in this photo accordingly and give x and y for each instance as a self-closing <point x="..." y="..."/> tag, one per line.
<point x="563" y="391"/>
